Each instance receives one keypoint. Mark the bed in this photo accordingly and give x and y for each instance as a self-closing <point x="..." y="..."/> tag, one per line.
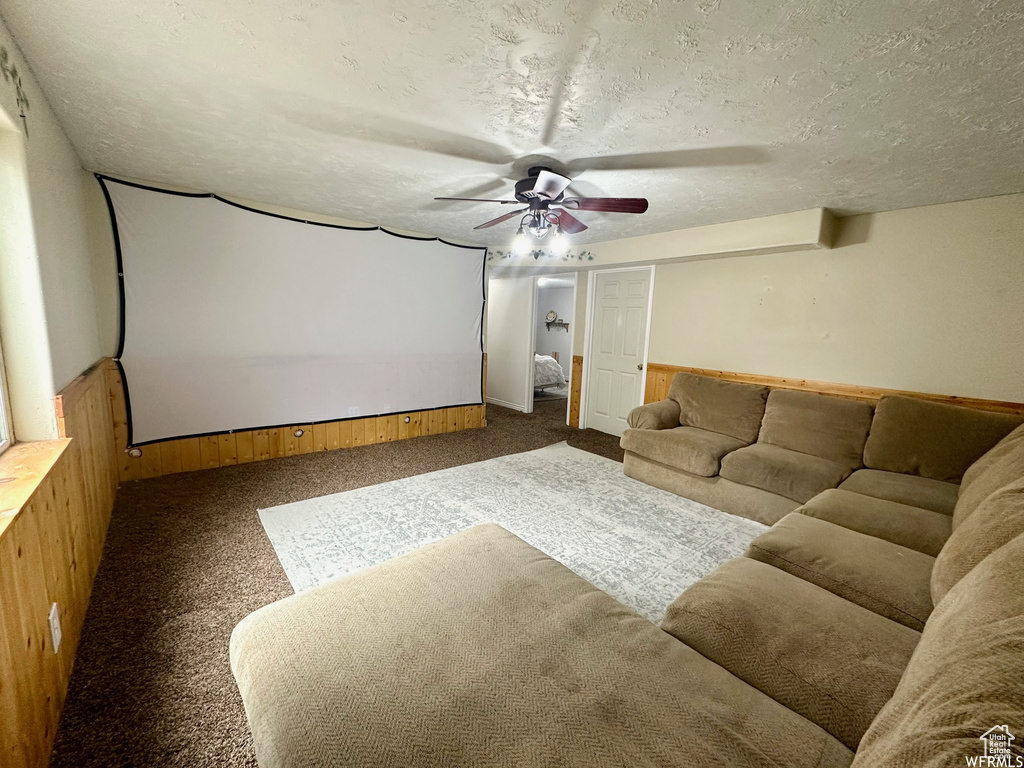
<point x="547" y="372"/>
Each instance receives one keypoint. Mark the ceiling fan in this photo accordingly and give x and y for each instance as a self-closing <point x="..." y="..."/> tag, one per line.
<point x="547" y="208"/>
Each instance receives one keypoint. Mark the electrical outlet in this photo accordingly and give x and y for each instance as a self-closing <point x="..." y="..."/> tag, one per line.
<point x="55" y="626"/>
<point x="353" y="410"/>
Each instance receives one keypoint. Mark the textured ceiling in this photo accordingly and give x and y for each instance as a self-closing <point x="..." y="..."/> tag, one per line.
<point x="367" y="110"/>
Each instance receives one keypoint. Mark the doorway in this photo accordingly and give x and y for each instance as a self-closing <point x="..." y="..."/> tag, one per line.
<point x="554" y="316"/>
<point x="618" y="332"/>
<point x="529" y="356"/>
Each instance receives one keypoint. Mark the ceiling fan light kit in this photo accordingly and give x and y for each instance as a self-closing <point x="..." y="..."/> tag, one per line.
<point x="539" y="191"/>
<point x="559" y="243"/>
<point x="521" y="244"/>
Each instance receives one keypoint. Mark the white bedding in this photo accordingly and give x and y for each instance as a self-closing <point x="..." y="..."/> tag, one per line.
<point x="547" y="372"/>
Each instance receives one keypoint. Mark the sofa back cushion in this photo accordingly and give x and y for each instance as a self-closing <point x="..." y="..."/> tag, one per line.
<point x="996" y="521"/>
<point x="833" y="428"/>
<point x="726" y="407"/>
<point x="966" y="675"/>
<point x="1000" y="466"/>
<point x="919" y="437"/>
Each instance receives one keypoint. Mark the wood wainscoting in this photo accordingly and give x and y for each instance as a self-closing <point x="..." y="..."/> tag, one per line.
<point x="52" y="531"/>
<point x="659" y="377"/>
<point x="226" y="449"/>
<point x="574" y="393"/>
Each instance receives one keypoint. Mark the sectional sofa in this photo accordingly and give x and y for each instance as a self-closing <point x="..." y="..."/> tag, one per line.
<point x="761" y="453"/>
<point x="858" y="630"/>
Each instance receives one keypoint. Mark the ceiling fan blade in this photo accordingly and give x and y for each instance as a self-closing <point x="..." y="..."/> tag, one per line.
<point x="345" y="121"/>
<point x="478" y="200"/>
<point x="500" y="219"/>
<point x="474" y="193"/>
<point x="582" y="41"/>
<point x="570" y="223"/>
<point x="680" y="158"/>
<point x="550" y="185"/>
<point x="607" y="204"/>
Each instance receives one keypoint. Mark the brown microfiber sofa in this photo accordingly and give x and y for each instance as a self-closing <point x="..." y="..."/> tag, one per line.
<point x="480" y="650"/>
<point x="762" y="453"/>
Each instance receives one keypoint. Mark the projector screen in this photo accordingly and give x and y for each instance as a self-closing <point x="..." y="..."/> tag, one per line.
<point x="236" y="319"/>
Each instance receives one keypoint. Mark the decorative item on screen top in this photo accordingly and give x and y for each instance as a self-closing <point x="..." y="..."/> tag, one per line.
<point x="9" y="70"/>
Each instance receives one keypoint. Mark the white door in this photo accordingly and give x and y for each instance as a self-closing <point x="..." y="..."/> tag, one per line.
<point x="618" y="347"/>
<point x="510" y="324"/>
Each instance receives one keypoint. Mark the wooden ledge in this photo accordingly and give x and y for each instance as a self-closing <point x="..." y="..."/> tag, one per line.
<point x="68" y="397"/>
<point x="659" y="378"/>
<point x="26" y="465"/>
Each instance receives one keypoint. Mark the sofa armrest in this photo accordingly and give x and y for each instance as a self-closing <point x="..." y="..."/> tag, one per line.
<point x="663" y="414"/>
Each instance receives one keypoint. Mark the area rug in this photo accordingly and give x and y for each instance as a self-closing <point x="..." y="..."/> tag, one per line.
<point x="638" y="543"/>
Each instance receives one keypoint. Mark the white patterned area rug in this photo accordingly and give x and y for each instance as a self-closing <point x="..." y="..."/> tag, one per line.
<point x="638" y="543"/>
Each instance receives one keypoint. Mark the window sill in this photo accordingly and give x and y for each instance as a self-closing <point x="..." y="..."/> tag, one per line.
<point x="23" y="467"/>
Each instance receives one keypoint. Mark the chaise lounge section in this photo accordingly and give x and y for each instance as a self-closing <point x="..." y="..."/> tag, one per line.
<point x="480" y="650"/>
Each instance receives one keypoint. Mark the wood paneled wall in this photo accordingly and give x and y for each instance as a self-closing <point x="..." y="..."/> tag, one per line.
<point x="574" y="393"/>
<point x="227" y="449"/>
<point x="51" y="540"/>
<point x="659" y="377"/>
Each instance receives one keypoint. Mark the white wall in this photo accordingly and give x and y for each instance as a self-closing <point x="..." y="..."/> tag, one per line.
<point x="47" y="307"/>
<point x="558" y="298"/>
<point x="22" y="314"/>
<point x="926" y="299"/>
<point x="56" y="185"/>
<point x="510" y="311"/>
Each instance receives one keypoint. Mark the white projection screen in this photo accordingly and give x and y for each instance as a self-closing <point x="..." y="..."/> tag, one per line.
<point x="236" y="319"/>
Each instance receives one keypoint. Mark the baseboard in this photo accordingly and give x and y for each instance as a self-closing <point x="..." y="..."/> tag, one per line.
<point x="504" y="404"/>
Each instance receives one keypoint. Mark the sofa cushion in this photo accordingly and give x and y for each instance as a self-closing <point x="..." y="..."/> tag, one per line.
<point x="996" y="521"/>
<point x="720" y="406"/>
<point x="911" y="527"/>
<point x="912" y="490"/>
<point x="965" y="678"/>
<point x="694" y="450"/>
<point x="891" y="580"/>
<point x="1000" y="466"/>
<point x="824" y="657"/>
<point x="481" y="650"/>
<point x="787" y="473"/>
<point x="663" y="414"/>
<point x="833" y="428"/>
<point x="919" y="437"/>
<point x="716" y="492"/>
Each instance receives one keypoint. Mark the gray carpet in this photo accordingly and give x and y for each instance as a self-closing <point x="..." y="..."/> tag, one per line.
<point x="638" y="543"/>
<point x="186" y="558"/>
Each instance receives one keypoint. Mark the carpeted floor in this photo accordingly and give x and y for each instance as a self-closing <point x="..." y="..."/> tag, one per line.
<point x="186" y="558"/>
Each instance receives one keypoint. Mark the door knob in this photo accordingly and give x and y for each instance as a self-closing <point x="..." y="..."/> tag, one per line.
<point x="640" y="367"/>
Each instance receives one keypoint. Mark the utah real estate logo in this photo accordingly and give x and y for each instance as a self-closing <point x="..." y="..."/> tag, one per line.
<point x="998" y="750"/>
